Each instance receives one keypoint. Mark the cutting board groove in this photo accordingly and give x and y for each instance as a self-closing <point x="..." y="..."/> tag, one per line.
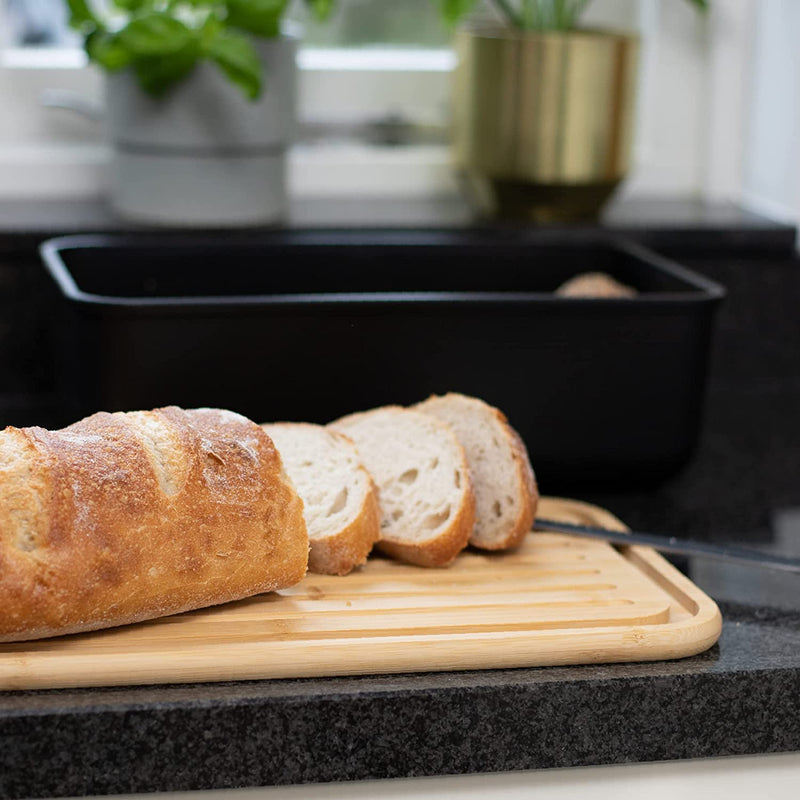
<point x="557" y="600"/>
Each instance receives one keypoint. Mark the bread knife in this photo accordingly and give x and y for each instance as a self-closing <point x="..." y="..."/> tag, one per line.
<point x="673" y="544"/>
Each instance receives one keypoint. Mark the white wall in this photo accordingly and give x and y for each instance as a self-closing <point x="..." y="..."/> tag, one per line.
<point x="771" y="181"/>
<point x="670" y="143"/>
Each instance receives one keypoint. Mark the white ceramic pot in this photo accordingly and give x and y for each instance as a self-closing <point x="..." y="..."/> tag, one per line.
<point x="204" y="155"/>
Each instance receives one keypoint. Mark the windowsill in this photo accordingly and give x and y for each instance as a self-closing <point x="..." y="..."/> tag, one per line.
<point x="347" y="169"/>
<point x="670" y="225"/>
<point x="62" y="189"/>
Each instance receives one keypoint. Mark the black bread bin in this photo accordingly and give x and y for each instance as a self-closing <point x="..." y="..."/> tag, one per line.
<point x="310" y="325"/>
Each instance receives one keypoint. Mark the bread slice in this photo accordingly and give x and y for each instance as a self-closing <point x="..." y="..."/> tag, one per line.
<point x="424" y="490"/>
<point x="339" y="497"/>
<point x="502" y="478"/>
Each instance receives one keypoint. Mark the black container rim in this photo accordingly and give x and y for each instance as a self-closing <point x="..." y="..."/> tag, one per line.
<point x="705" y="290"/>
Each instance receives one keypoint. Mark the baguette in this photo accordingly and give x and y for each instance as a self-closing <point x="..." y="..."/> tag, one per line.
<point x="505" y="489"/>
<point x="340" y="501"/>
<point x="424" y="490"/>
<point x="130" y="516"/>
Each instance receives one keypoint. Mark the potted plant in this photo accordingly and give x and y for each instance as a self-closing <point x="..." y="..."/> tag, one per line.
<point x="543" y="108"/>
<point x="199" y="105"/>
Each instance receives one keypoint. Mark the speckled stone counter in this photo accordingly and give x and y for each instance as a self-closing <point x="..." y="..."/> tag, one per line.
<point x="741" y="697"/>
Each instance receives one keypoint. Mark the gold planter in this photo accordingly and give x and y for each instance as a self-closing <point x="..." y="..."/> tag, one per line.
<point x="543" y="122"/>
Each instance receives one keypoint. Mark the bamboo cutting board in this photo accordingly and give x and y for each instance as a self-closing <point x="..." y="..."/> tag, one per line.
<point x="557" y="600"/>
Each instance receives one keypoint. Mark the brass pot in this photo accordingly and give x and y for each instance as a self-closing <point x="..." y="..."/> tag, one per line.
<point x="543" y="122"/>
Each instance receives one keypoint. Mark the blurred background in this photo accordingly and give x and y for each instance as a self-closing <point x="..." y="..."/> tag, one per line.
<point x="717" y="113"/>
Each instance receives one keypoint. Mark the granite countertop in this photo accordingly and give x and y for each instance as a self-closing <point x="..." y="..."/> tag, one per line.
<point x="740" y="697"/>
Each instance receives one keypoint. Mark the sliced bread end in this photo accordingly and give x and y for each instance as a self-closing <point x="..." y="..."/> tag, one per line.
<point x="505" y="488"/>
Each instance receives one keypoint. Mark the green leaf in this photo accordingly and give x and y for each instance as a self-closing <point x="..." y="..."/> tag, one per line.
<point x="321" y="9"/>
<point x="238" y="59"/>
<point x="158" y="74"/>
<point x="454" y="11"/>
<point x="261" y="17"/>
<point x="211" y="28"/>
<point x="701" y="5"/>
<point x="105" y="49"/>
<point x="132" y="5"/>
<point x="81" y="15"/>
<point x="516" y="17"/>
<point x="155" y="34"/>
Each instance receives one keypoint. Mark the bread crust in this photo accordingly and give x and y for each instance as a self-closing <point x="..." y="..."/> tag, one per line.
<point x="525" y="486"/>
<point x="528" y="494"/>
<point x="126" y="517"/>
<point x="594" y="285"/>
<point x="441" y="551"/>
<point x="341" y="552"/>
<point x="444" y="548"/>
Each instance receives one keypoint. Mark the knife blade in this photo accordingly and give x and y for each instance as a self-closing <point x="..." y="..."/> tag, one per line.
<point x="674" y="544"/>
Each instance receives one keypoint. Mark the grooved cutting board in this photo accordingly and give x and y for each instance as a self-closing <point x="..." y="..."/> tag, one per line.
<point x="557" y="600"/>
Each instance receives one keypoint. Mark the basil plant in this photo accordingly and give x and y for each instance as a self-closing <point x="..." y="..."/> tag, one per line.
<point x="163" y="40"/>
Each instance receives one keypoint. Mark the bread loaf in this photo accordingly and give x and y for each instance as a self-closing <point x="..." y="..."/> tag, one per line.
<point x="595" y="285"/>
<point x="339" y="498"/>
<point x="502" y="478"/>
<point x="424" y="490"/>
<point x="129" y="516"/>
